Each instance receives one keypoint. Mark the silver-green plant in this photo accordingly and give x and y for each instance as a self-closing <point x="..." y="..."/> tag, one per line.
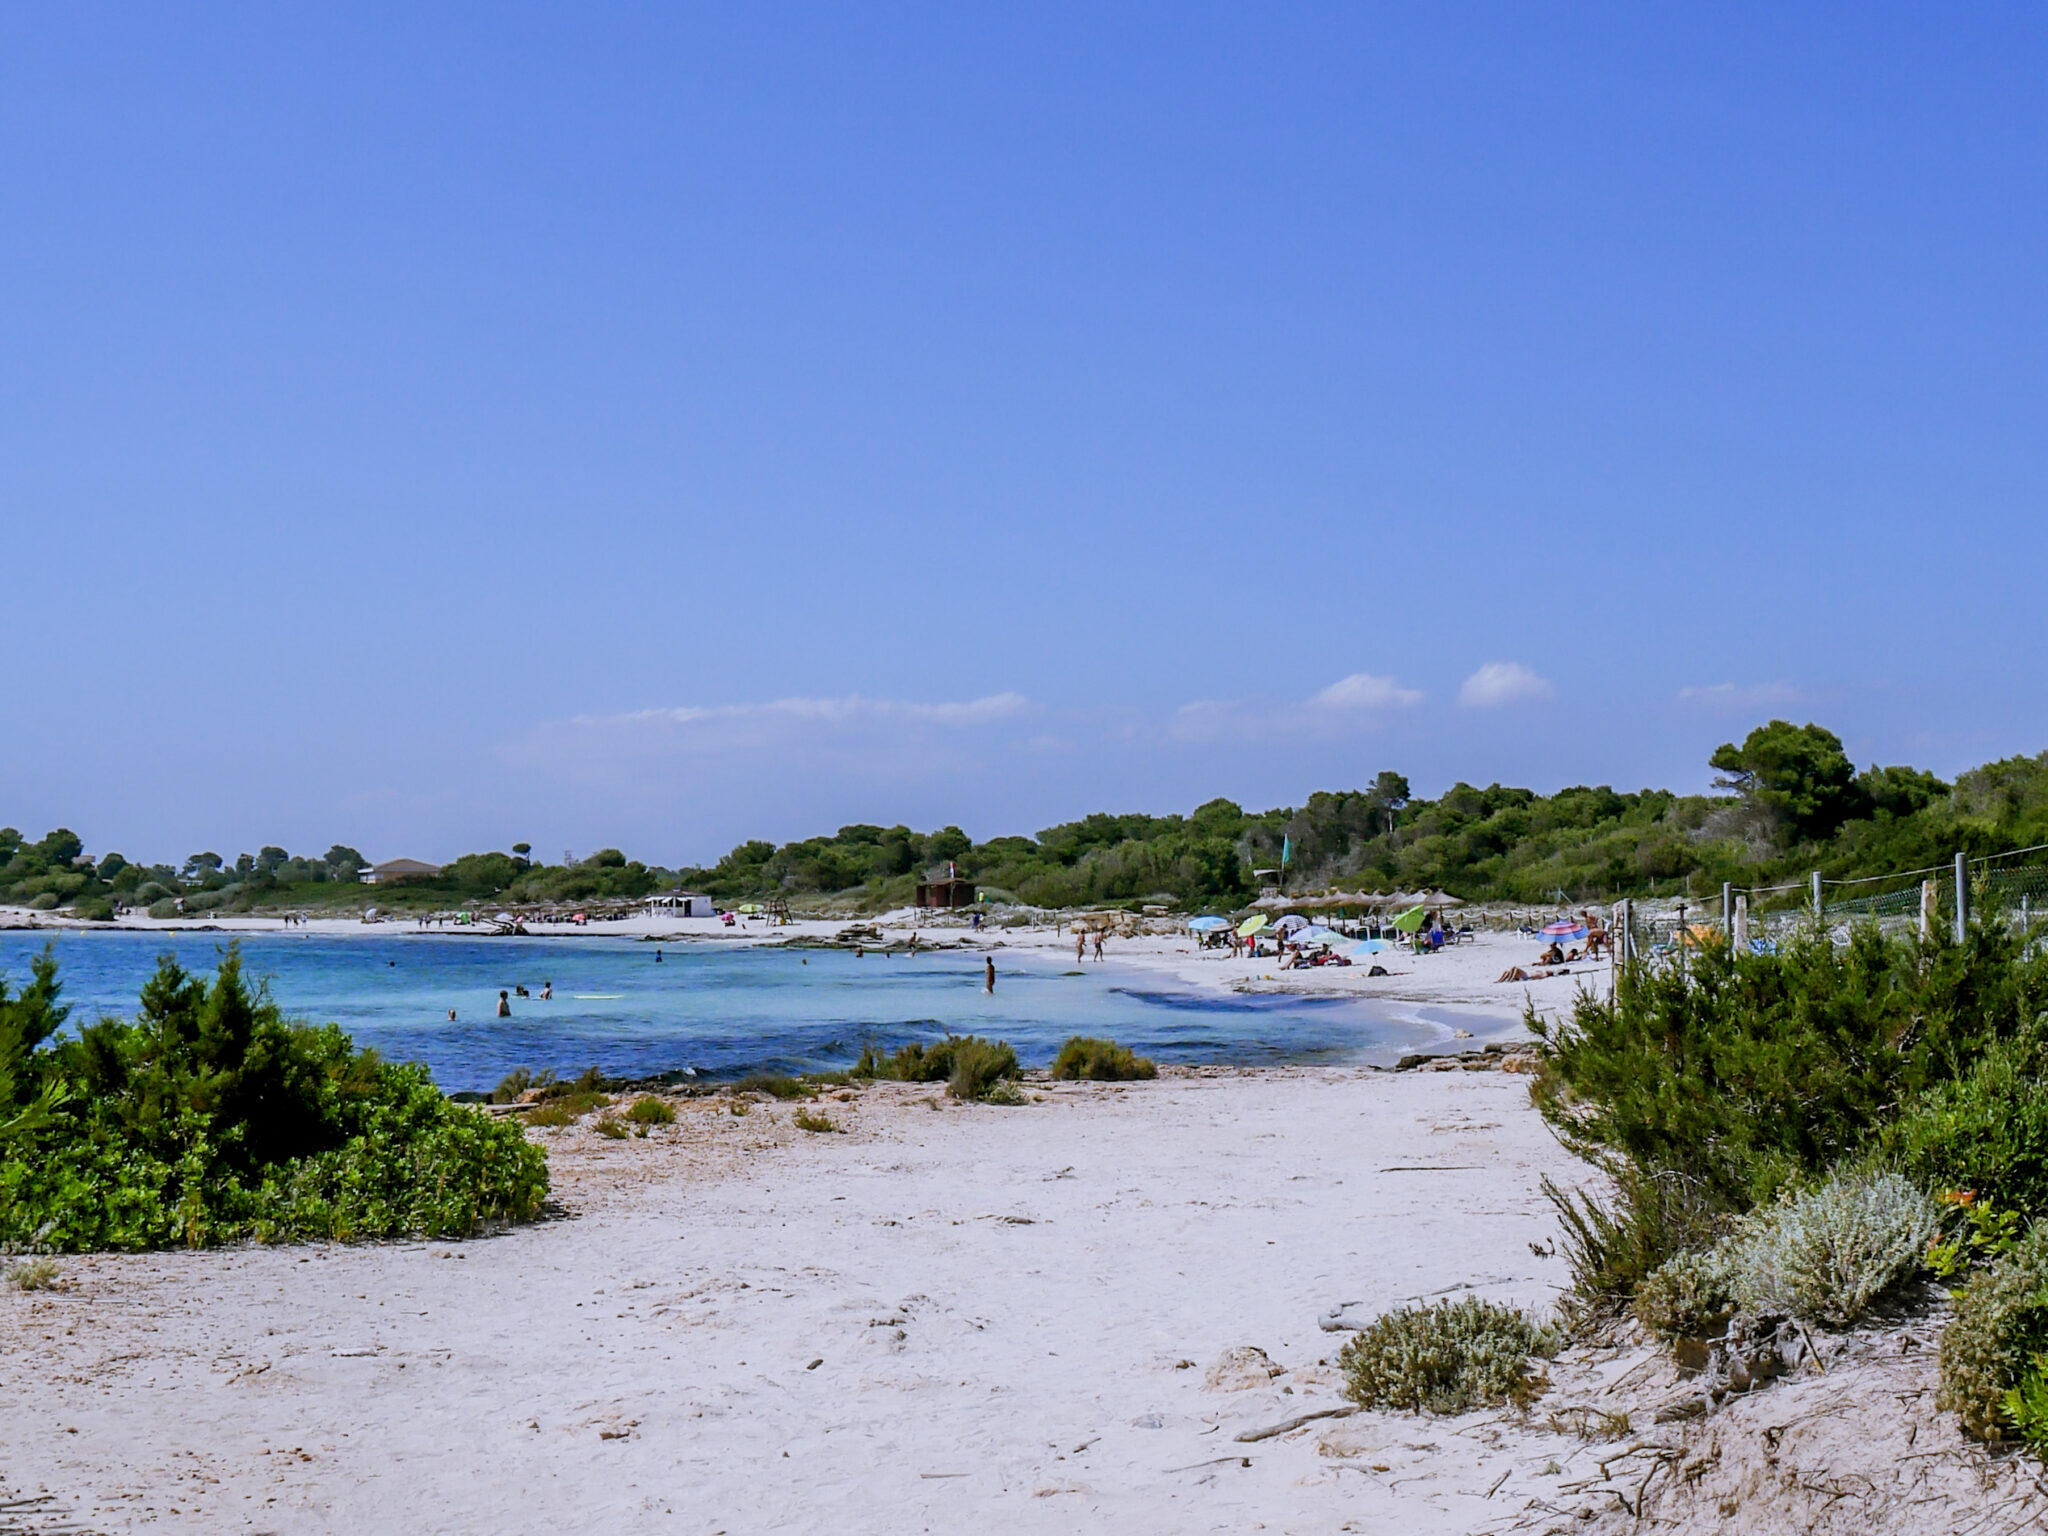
<point x="1448" y="1358"/>
<point x="1689" y="1296"/>
<point x="1828" y="1253"/>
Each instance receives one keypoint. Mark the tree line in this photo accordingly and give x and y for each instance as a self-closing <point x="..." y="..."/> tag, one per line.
<point x="1787" y="799"/>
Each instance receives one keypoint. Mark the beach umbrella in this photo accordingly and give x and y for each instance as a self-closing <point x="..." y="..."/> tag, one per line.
<point x="1564" y="930"/>
<point x="1251" y="925"/>
<point x="1207" y="924"/>
<point x="1290" y="922"/>
<point x="1411" y="921"/>
<point x="1315" y="933"/>
<point x="1439" y="899"/>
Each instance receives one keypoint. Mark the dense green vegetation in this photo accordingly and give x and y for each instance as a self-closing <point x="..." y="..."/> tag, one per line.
<point x="209" y="1117"/>
<point x="1788" y="800"/>
<point x="1801" y="1132"/>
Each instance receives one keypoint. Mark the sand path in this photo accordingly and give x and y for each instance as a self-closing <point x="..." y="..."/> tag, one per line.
<point x="946" y="1319"/>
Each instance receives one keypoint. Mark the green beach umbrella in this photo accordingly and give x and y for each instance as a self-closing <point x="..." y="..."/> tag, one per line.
<point x="1411" y="921"/>
<point x="1251" y="925"/>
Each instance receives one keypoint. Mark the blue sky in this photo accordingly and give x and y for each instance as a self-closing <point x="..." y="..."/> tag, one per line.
<point x="431" y="428"/>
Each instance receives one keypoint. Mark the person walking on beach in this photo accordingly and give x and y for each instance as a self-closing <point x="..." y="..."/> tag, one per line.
<point x="1080" y="945"/>
<point x="1100" y="935"/>
<point x="988" y="983"/>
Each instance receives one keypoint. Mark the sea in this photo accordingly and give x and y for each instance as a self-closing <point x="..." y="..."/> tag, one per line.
<point x="716" y="1010"/>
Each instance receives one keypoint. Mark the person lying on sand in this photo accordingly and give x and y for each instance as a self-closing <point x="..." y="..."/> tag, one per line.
<point x="1516" y="973"/>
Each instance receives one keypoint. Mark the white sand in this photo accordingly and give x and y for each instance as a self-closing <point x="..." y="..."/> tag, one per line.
<point x="1001" y="1301"/>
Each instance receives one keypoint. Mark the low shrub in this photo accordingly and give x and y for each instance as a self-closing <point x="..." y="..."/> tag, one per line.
<point x="2026" y="1406"/>
<point x="211" y="1118"/>
<point x="559" y="1112"/>
<point x="1993" y="1343"/>
<point x="1986" y="1132"/>
<point x="1983" y="1235"/>
<point x="648" y="1110"/>
<point x="47" y="902"/>
<point x="968" y="1065"/>
<point x="777" y="1085"/>
<point x="516" y="1082"/>
<point x="612" y="1126"/>
<point x="1449" y="1358"/>
<point x="804" y="1120"/>
<point x="1611" y="1248"/>
<point x="34" y="1275"/>
<point x="163" y="907"/>
<point x="1100" y="1061"/>
<point x="580" y="1095"/>
<point x="1689" y="1296"/>
<point x="1828" y="1253"/>
<point x="979" y="1067"/>
<point x="94" y="909"/>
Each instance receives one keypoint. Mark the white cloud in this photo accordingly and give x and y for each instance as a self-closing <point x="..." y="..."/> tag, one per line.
<point x="1362" y="690"/>
<point x="853" y="707"/>
<point x="1729" y="698"/>
<point x="1503" y="682"/>
<point x="1346" y="705"/>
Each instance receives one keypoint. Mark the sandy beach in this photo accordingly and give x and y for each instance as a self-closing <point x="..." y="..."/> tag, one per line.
<point x="945" y="1316"/>
<point x="1111" y="1308"/>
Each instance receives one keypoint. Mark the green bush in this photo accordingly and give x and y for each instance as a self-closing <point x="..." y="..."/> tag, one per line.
<point x="210" y="1118"/>
<point x="1993" y="1343"/>
<point x="648" y="1110"/>
<point x="1100" y="1061"/>
<point x="47" y="902"/>
<point x="980" y="1068"/>
<point x="1448" y="1358"/>
<point x="612" y="1126"/>
<point x="1703" y="1092"/>
<point x="777" y="1085"/>
<point x="517" y="1082"/>
<point x="1828" y="1253"/>
<point x="804" y="1120"/>
<point x="163" y="907"/>
<point x="1987" y="1131"/>
<point x="2026" y="1405"/>
<point x="968" y="1065"/>
<point x="1688" y="1296"/>
<point x="94" y="909"/>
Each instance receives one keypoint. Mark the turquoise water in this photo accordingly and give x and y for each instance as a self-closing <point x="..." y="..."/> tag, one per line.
<point x="717" y="1009"/>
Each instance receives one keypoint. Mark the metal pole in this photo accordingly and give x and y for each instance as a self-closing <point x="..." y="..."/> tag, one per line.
<point x="1962" y="898"/>
<point x="1816" y="894"/>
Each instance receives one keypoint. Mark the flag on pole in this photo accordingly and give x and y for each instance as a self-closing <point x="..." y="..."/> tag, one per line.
<point x="1286" y="849"/>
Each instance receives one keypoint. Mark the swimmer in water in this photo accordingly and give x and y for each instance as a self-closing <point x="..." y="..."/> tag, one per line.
<point x="988" y="983"/>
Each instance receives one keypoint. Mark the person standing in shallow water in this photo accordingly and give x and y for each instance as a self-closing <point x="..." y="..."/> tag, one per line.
<point x="989" y="982"/>
<point x="504" y="1006"/>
